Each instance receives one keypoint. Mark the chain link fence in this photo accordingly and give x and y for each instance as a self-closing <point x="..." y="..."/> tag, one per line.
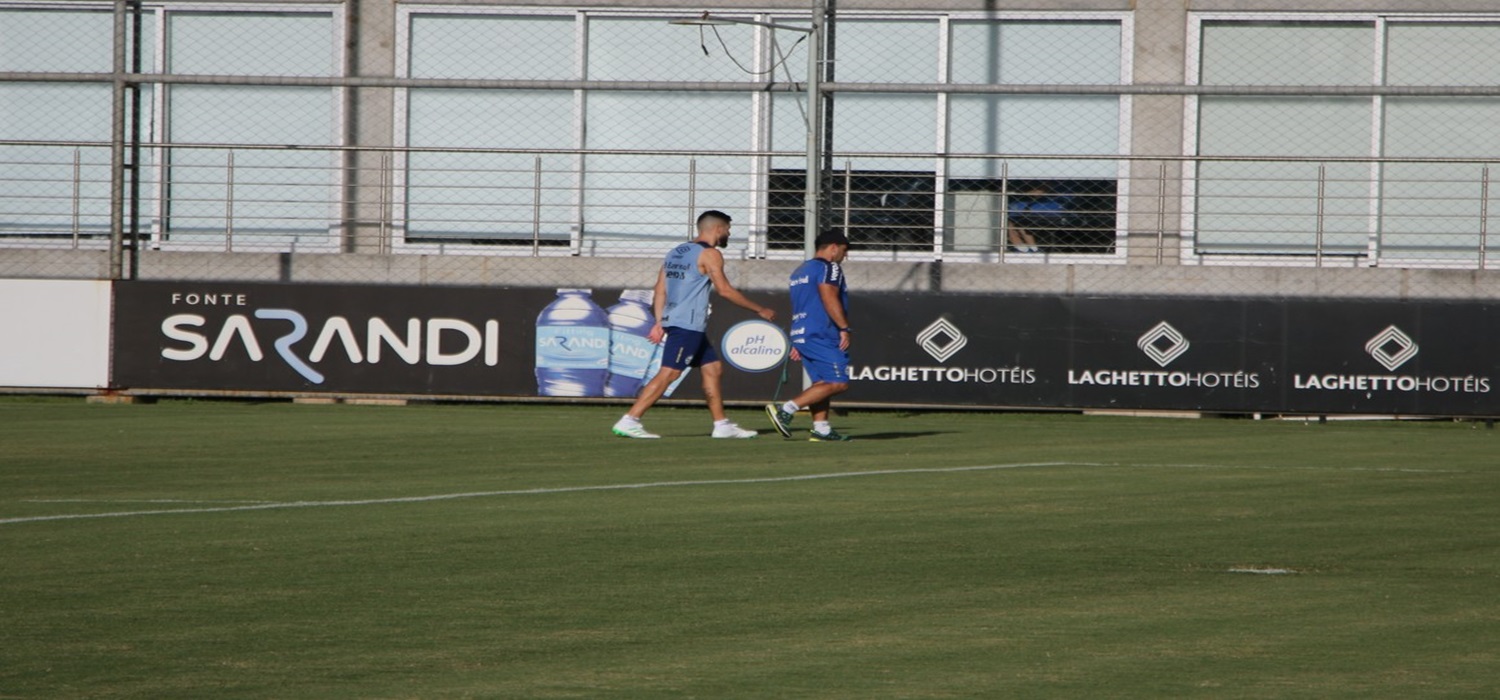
<point x="485" y="145"/>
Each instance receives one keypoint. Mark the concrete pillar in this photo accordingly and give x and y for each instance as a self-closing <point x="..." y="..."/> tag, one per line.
<point x="368" y="114"/>
<point x="1156" y="129"/>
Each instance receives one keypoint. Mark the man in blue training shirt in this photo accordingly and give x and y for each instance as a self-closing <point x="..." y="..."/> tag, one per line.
<point x="680" y="303"/>
<point x="820" y="336"/>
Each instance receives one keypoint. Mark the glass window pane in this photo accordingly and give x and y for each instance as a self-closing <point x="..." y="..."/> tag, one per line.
<point x="505" y="47"/>
<point x="1288" y="53"/>
<point x="651" y="49"/>
<point x="1432" y="210"/>
<point x="244" y="43"/>
<point x="1272" y="207"/>
<point x="1035" y="125"/>
<point x="1443" y="54"/>
<point x="1061" y="53"/>
<point x="488" y="196"/>
<point x="885" y="51"/>
<point x="58" y="41"/>
<point x="663" y="120"/>
<point x="275" y="192"/>
<point x="649" y="196"/>
<point x="885" y="123"/>
<point x="39" y="187"/>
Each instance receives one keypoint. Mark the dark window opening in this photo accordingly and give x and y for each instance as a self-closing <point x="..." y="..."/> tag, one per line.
<point x="882" y="210"/>
<point x="1056" y="215"/>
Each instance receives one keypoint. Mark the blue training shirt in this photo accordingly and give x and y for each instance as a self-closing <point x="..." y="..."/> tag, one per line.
<point x="687" y="288"/>
<point x="810" y="321"/>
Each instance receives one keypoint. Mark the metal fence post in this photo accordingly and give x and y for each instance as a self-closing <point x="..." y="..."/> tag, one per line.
<point x="1484" y="215"/>
<point x="229" y="203"/>
<point x="536" y="208"/>
<point x="1318" y="244"/>
<point x="385" y="230"/>
<point x="77" y="193"/>
<point x="1161" y="213"/>
<point x="1004" y="233"/>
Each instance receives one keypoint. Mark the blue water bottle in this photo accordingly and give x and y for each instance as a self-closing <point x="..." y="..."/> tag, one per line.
<point x="630" y="346"/>
<point x="572" y="346"/>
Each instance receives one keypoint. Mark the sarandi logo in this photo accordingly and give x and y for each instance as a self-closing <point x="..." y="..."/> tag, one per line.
<point x="1163" y="343"/>
<point x="1392" y="348"/>
<point x="942" y="340"/>
<point x="413" y="341"/>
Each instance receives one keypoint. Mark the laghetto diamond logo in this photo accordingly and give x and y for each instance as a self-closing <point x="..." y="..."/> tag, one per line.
<point x="941" y="340"/>
<point x="1391" y="348"/>
<point x="1163" y="343"/>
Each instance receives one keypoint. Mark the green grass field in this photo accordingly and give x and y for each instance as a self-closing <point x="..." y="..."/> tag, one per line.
<point x="213" y="549"/>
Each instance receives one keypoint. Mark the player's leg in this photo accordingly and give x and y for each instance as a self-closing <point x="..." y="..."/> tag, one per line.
<point x="712" y="371"/>
<point x="828" y="367"/>
<point x="629" y="424"/>
<point x="679" y="350"/>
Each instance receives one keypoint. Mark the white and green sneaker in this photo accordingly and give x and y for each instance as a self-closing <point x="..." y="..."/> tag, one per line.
<point x="780" y="420"/>
<point x="733" y="431"/>
<point x="634" y="430"/>
<point x="830" y="436"/>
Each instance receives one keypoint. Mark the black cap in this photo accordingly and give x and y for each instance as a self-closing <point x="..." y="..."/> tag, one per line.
<point x="830" y="237"/>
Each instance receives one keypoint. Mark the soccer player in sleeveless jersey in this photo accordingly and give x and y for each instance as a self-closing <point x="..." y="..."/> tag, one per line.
<point x="680" y="303"/>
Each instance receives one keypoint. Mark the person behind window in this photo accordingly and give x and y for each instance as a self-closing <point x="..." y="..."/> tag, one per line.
<point x="1032" y="211"/>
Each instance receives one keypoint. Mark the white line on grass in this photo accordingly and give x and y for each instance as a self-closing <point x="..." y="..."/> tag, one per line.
<point x="277" y="505"/>
<point x="139" y="500"/>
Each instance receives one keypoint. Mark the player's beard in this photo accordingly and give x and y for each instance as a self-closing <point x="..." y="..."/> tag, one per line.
<point x="724" y="242"/>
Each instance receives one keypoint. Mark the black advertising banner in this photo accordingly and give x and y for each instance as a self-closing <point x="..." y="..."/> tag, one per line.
<point x="1410" y="358"/>
<point x="321" y="338"/>
<point x="1216" y="355"/>
<point x="362" y="339"/>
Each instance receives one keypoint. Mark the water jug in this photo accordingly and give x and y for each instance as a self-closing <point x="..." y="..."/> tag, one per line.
<point x="572" y="346"/>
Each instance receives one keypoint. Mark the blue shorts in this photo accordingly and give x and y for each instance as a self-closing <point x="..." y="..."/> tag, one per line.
<point x="824" y="363"/>
<point x="683" y="349"/>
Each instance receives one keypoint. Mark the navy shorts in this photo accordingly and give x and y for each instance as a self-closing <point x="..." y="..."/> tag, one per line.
<point x="683" y="349"/>
<point x="824" y="363"/>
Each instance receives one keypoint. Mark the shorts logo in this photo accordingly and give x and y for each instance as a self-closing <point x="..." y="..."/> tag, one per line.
<point x="1163" y="343"/>
<point x="1391" y="348"/>
<point x="942" y="340"/>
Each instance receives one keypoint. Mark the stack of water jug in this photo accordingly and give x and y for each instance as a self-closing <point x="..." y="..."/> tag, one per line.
<point x="583" y="349"/>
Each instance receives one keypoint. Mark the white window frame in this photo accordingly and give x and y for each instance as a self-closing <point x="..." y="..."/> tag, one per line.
<point x="1373" y="255"/>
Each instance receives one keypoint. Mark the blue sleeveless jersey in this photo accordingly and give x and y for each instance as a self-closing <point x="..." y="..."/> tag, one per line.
<point x="810" y="321"/>
<point x="687" y="288"/>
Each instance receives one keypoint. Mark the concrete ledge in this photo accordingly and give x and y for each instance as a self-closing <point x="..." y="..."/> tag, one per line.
<point x="1142" y="413"/>
<point x="375" y="402"/>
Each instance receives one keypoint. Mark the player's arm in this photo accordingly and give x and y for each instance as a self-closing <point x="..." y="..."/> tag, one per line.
<point x="658" y="306"/>
<point x="833" y="303"/>
<point x="711" y="262"/>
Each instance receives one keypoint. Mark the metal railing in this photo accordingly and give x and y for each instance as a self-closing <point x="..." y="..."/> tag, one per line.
<point x="235" y="198"/>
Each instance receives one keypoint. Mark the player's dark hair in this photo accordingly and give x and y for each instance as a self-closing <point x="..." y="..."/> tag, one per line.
<point x="713" y="214"/>
<point x="830" y="237"/>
